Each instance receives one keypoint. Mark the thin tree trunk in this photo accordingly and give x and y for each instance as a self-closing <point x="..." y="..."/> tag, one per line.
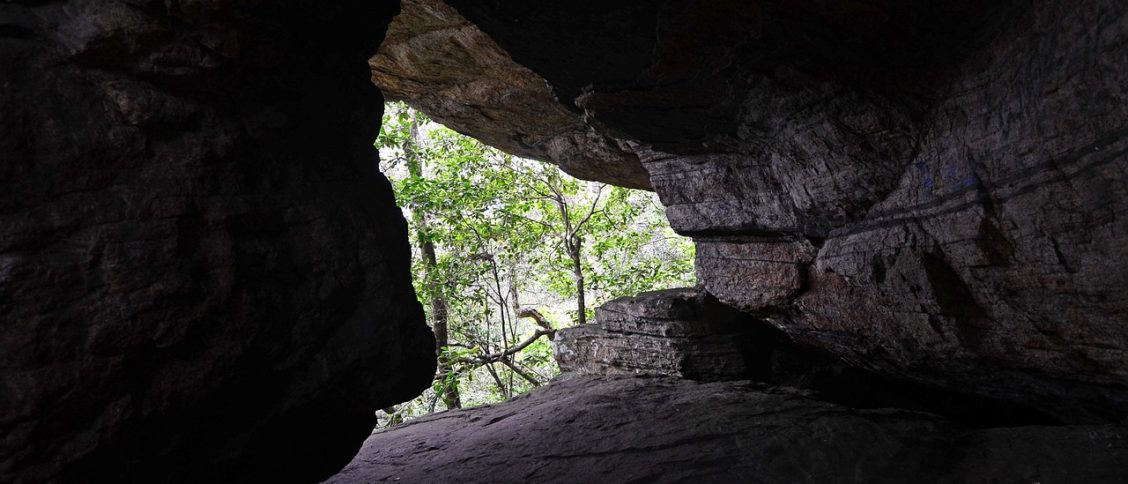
<point x="573" y="244"/>
<point x="574" y="247"/>
<point x="440" y="315"/>
<point x="497" y="379"/>
<point x="506" y="328"/>
<point x="439" y="308"/>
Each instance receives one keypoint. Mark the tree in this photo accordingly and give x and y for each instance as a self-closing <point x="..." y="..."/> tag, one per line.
<point x="570" y="225"/>
<point x="503" y="246"/>
<point x="408" y="142"/>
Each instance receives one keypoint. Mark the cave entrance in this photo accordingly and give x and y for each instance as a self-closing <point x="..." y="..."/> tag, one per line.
<point x="508" y="250"/>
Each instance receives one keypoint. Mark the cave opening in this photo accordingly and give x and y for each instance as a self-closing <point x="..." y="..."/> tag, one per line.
<point x="494" y="270"/>
<point x="809" y="171"/>
<point x="906" y="221"/>
<point x="507" y="252"/>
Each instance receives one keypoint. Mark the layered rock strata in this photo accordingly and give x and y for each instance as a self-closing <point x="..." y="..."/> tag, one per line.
<point x="932" y="191"/>
<point x="445" y="66"/>
<point x="658" y="429"/>
<point x="688" y="333"/>
<point x="676" y="332"/>
<point x="203" y="276"/>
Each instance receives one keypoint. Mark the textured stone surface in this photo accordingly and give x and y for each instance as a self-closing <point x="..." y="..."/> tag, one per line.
<point x="203" y="277"/>
<point x="754" y="274"/>
<point x="630" y="429"/>
<point x="442" y="64"/>
<point x="931" y="190"/>
<point x="688" y="333"/>
<point x="676" y="332"/>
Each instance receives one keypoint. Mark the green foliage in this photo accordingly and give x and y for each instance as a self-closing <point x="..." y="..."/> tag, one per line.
<point x="499" y="227"/>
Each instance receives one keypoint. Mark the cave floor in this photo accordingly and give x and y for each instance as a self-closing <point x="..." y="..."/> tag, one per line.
<point x="657" y="429"/>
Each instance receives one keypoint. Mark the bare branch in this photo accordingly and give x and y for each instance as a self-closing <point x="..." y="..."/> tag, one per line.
<point x="495" y="357"/>
<point x="539" y="318"/>
<point x="591" y="211"/>
<point x="497" y="379"/>
<point x="521" y="373"/>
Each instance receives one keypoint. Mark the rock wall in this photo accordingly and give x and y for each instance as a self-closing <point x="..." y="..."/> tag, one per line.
<point x="443" y="65"/>
<point x="688" y="333"/>
<point x="203" y="276"/>
<point x="930" y="190"/>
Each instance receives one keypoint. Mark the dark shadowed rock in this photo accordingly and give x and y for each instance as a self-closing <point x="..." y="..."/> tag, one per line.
<point x="632" y="429"/>
<point x="443" y="65"/>
<point x="688" y="333"/>
<point x="754" y="274"/>
<point x="933" y="190"/>
<point x="203" y="277"/>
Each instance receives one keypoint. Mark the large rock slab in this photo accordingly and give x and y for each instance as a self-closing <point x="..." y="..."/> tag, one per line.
<point x="675" y="332"/>
<point x="203" y="276"/>
<point x="631" y="429"/>
<point x="689" y="333"/>
<point x="445" y="66"/>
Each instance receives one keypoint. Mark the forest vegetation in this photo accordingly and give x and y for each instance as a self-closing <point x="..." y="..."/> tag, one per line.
<point x="506" y="251"/>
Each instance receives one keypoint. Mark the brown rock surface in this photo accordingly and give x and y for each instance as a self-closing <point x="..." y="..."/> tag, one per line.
<point x="688" y="333"/>
<point x="203" y="276"/>
<point x="955" y="171"/>
<point x="675" y="332"/>
<point x="633" y="429"/>
<point x="442" y="64"/>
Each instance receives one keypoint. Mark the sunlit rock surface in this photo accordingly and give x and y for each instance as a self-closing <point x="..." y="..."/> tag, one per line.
<point x="203" y="276"/>
<point x="658" y="429"/>
<point x="446" y="67"/>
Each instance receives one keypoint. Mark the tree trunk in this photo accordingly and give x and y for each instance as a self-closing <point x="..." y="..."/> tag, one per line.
<point x="440" y="318"/>
<point x="578" y="271"/>
<point x="439" y="308"/>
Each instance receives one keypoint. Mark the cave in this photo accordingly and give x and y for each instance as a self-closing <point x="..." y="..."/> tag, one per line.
<point x="909" y="259"/>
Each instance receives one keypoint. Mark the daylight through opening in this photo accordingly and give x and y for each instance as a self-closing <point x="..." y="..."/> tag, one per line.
<point x="506" y="251"/>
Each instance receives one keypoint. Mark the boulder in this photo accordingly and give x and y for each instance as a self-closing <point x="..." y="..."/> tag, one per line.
<point x="676" y="332"/>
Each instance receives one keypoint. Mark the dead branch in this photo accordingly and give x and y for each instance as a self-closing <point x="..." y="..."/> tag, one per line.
<point x="539" y="318"/>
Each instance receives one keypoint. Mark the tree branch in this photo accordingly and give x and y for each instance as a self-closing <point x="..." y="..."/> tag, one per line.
<point x="521" y="373"/>
<point x="539" y="318"/>
<point x="495" y="357"/>
<point x="591" y="211"/>
<point x="533" y="220"/>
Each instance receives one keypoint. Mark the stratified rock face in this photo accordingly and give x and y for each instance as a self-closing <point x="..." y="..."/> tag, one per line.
<point x="688" y="333"/>
<point x="442" y="64"/>
<point x="631" y="429"/>
<point x="676" y="332"/>
<point x="203" y="276"/>
<point x="932" y="190"/>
